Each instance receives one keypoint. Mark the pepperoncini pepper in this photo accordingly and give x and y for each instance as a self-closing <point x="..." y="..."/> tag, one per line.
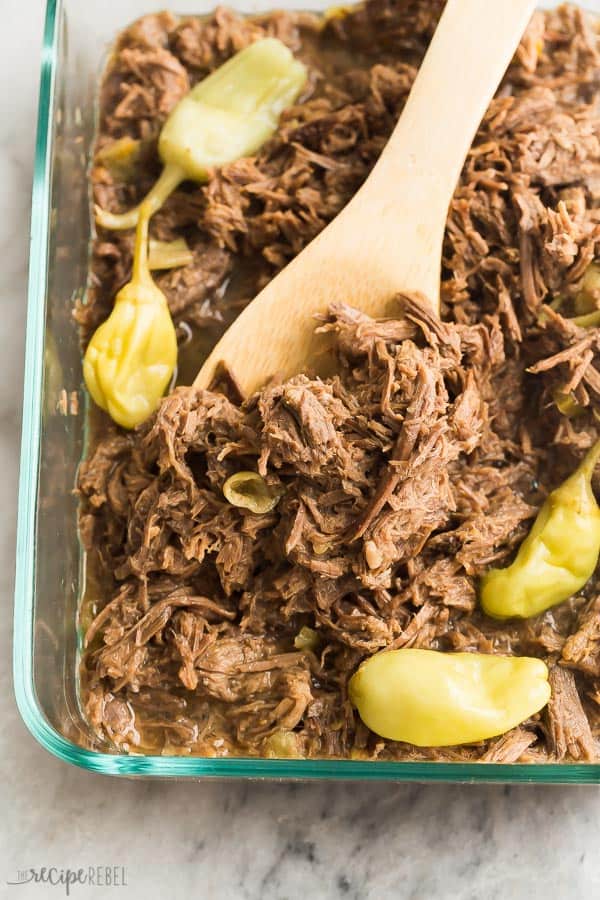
<point x="557" y="557"/>
<point x="434" y="699"/>
<point x="225" y="117"/>
<point x="132" y="355"/>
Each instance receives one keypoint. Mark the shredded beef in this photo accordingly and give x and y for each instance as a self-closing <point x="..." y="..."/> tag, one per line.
<point x="404" y="476"/>
<point x="581" y="650"/>
<point x="570" y="732"/>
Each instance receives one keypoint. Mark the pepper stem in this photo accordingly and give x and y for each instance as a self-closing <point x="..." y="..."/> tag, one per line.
<point x="170" y="177"/>
<point x="141" y="269"/>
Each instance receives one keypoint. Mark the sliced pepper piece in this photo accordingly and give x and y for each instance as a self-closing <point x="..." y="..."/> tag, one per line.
<point x="250" y="491"/>
<point x="169" y="254"/>
<point x="307" y="639"/>
<point x="434" y="699"/>
<point x="587" y="320"/>
<point x="225" y="117"/>
<point x="121" y="156"/>
<point x="567" y="405"/>
<point x="588" y="298"/>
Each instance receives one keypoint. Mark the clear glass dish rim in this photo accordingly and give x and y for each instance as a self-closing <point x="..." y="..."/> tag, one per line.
<point x="32" y="714"/>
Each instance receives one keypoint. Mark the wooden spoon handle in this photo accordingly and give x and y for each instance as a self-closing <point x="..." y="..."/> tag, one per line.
<point x="412" y="184"/>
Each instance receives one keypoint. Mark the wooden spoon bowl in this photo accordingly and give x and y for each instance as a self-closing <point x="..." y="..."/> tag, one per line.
<point x="388" y="239"/>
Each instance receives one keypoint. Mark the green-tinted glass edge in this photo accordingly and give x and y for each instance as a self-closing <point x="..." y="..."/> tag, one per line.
<point x="162" y="766"/>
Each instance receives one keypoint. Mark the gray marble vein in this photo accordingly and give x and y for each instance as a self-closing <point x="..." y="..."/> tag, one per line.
<point x="252" y="841"/>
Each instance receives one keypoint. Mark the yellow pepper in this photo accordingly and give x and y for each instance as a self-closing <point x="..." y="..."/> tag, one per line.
<point x="557" y="557"/>
<point x="121" y="157"/>
<point x="567" y="405"/>
<point x="307" y="639"/>
<point x="282" y="745"/>
<point x="169" y="254"/>
<point x="434" y="699"/>
<point x="250" y="491"/>
<point x="588" y="298"/>
<point x="131" y="357"/>
<point x="587" y="320"/>
<point x="226" y="116"/>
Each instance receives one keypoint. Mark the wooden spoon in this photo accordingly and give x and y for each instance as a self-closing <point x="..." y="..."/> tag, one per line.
<point x="389" y="236"/>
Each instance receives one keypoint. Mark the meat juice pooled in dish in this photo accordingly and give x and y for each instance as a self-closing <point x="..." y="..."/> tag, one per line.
<point x="216" y="628"/>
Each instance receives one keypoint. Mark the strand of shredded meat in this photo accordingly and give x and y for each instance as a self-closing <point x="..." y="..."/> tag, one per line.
<point x="419" y="465"/>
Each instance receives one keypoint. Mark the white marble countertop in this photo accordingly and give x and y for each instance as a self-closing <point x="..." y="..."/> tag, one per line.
<point x="257" y="841"/>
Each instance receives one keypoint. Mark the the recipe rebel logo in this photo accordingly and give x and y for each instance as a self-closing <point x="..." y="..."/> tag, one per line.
<point x="90" y="876"/>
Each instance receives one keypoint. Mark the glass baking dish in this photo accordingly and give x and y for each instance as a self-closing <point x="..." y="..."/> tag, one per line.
<point x="50" y="568"/>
